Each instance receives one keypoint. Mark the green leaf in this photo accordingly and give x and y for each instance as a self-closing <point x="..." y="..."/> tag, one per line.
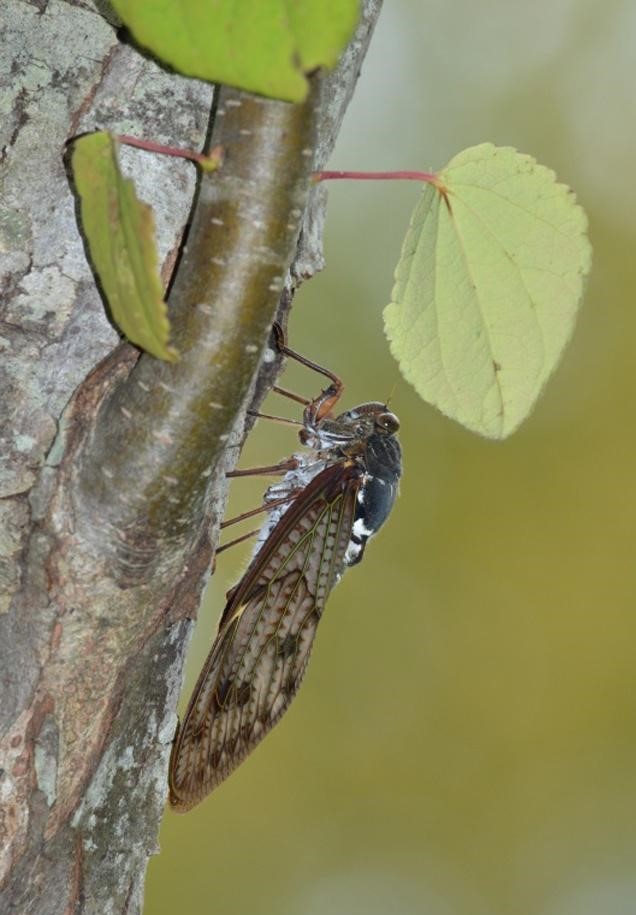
<point x="264" y="46"/>
<point x="487" y="288"/>
<point x="119" y="229"/>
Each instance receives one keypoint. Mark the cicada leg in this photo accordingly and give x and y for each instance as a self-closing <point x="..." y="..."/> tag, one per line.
<point x="243" y="537"/>
<point x="276" y="419"/>
<point x="292" y="396"/>
<point x="321" y="406"/>
<point x="270" y="470"/>
<point x="256" y="511"/>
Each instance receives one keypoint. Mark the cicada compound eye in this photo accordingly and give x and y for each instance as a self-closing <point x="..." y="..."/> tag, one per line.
<point x="388" y="422"/>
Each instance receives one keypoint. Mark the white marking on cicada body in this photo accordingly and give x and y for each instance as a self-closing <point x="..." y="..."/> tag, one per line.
<point x="360" y="529"/>
<point x="352" y="553"/>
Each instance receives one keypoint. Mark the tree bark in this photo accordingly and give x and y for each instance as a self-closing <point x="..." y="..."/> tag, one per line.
<point x="112" y="463"/>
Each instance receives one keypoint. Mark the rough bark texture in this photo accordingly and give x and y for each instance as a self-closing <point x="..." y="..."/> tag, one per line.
<point x="112" y="463"/>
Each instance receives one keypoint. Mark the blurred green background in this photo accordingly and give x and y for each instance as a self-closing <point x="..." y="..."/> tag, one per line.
<point x="465" y="740"/>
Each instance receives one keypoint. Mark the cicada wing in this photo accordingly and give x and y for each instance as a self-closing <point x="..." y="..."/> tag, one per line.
<point x="267" y="629"/>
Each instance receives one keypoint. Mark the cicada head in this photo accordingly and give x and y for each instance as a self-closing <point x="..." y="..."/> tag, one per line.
<point x="353" y="426"/>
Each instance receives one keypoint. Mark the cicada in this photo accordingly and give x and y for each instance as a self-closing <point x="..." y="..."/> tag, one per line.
<point x="332" y="498"/>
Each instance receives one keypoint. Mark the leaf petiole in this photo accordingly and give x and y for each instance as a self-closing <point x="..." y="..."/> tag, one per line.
<point x="423" y="177"/>
<point x="426" y="177"/>
<point x="208" y="162"/>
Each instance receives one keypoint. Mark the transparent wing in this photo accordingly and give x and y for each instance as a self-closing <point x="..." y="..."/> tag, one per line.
<point x="267" y="629"/>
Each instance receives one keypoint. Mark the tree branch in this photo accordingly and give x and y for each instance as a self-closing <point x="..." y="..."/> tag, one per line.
<point x="109" y="540"/>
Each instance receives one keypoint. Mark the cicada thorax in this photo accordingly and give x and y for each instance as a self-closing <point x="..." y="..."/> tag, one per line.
<point x="331" y="499"/>
<point x="364" y="435"/>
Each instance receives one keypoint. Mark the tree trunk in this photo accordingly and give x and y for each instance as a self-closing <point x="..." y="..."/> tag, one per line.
<point x="112" y="463"/>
